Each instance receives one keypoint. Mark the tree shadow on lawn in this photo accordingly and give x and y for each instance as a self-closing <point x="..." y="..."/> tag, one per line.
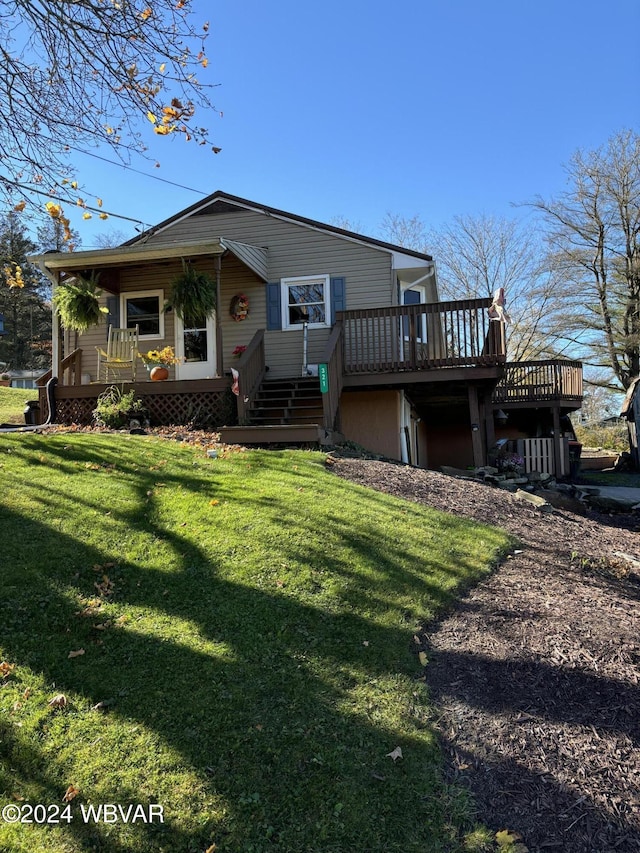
<point x="245" y="701"/>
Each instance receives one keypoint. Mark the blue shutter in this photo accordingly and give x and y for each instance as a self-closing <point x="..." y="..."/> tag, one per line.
<point x="113" y="315"/>
<point x="338" y="297"/>
<point x="274" y="306"/>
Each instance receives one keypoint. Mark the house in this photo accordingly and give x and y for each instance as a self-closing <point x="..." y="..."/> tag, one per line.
<point x="340" y="335"/>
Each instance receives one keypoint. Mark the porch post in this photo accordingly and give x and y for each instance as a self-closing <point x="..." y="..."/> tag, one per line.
<point x="219" y="347"/>
<point x="56" y="348"/>
<point x="476" y="434"/>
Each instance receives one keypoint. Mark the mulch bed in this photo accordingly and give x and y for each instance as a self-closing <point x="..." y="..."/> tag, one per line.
<point x="535" y="676"/>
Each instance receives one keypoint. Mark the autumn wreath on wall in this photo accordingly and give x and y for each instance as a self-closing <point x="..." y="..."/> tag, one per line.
<point x="239" y="307"/>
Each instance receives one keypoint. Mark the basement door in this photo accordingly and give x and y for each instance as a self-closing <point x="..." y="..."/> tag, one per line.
<point x="196" y="348"/>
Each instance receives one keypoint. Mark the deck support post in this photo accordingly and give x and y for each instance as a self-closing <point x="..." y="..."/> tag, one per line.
<point x="476" y="426"/>
<point x="557" y="442"/>
<point x="489" y="425"/>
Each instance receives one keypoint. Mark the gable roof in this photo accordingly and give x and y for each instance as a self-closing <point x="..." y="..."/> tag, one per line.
<point x="224" y="202"/>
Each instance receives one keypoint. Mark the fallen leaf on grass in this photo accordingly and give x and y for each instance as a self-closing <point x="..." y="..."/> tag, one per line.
<point x="211" y="849"/>
<point x="6" y="668"/>
<point x="508" y="838"/>
<point x="105" y="587"/>
<point x="70" y="794"/>
<point x="214" y="503"/>
<point x="59" y="701"/>
<point x="395" y="754"/>
<point x="76" y="654"/>
<point x="102" y="706"/>
<point x="422" y="656"/>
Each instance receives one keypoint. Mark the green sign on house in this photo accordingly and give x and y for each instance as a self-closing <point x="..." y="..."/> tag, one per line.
<point x="323" y="374"/>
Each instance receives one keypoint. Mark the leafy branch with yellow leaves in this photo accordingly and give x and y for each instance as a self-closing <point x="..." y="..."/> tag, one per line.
<point x="86" y="73"/>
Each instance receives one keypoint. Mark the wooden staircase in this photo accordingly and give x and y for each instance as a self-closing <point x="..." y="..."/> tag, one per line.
<point x="287" y="401"/>
<point x="284" y="411"/>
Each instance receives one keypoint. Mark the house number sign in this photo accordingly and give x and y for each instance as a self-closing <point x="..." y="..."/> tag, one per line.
<point x="323" y="375"/>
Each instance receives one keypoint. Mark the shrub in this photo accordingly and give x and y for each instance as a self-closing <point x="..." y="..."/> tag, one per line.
<point x="608" y="436"/>
<point x="115" y="409"/>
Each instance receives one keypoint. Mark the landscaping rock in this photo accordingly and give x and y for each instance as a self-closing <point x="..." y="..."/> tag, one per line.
<point x="458" y="472"/>
<point x="536" y="500"/>
<point x="605" y="503"/>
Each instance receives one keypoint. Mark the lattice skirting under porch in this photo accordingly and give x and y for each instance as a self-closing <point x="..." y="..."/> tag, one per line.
<point x="201" y="409"/>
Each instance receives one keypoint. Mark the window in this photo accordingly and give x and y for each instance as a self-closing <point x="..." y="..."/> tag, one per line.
<point x="305" y="298"/>
<point x="415" y="296"/>
<point x="145" y="311"/>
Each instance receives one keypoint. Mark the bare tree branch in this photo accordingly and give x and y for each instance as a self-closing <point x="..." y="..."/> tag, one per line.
<point x="89" y="73"/>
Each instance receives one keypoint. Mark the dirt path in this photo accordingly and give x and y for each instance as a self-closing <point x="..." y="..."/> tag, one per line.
<point x="536" y="673"/>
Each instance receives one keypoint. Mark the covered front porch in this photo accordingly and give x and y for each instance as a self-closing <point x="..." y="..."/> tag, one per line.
<point x="135" y="282"/>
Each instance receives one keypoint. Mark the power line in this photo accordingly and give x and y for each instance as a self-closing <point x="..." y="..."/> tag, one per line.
<point x="27" y="189"/>
<point x="137" y="171"/>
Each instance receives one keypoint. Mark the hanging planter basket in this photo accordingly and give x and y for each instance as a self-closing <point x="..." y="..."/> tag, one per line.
<point x="77" y="303"/>
<point x="192" y="294"/>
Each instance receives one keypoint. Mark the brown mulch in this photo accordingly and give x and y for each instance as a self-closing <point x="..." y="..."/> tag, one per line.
<point x="535" y="676"/>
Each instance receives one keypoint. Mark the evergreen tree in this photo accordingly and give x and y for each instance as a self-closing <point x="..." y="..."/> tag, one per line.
<point x="24" y="300"/>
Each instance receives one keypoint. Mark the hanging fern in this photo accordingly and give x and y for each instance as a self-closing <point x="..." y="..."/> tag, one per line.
<point x="77" y="303"/>
<point x="192" y="294"/>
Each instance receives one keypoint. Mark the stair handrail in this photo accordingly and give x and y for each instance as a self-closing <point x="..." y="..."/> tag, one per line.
<point x="333" y="357"/>
<point x="72" y="362"/>
<point x="251" y="370"/>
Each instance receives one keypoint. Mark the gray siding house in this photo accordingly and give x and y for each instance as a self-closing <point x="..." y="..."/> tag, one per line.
<point x="340" y="335"/>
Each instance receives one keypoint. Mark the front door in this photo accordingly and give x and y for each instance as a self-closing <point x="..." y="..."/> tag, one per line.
<point x="196" y="348"/>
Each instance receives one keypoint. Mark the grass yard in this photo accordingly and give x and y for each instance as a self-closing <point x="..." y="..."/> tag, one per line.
<point x="233" y="638"/>
<point x="12" y="403"/>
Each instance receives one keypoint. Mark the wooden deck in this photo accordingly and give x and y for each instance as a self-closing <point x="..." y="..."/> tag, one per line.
<point x="205" y="402"/>
<point x="527" y="383"/>
<point x="413" y="338"/>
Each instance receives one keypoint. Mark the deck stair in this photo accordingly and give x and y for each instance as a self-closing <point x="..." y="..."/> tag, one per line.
<point x="283" y="402"/>
<point x="284" y="411"/>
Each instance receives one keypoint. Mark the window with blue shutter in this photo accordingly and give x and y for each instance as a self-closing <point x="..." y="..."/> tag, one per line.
<point x="338" y="297"/>
<point x="113" y="312"/>
<point x="274" y="306"/>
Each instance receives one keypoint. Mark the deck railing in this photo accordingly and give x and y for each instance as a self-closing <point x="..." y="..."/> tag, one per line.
<point x="251" y="370"/>
<point x="531" y="381"/>
<point x="70" y="370"/>
<point x="332" y="357"/>
<point x="416" y="337"/>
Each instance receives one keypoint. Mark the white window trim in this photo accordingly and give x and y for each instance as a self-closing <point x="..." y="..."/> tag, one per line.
<point x="285" y="284"/>
<point x="138" y="294"/>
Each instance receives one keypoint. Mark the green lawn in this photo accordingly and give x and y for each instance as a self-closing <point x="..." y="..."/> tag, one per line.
<point x="610" y="478"/>
<point x="247" y="623"/>
<point x="12" y="403"/>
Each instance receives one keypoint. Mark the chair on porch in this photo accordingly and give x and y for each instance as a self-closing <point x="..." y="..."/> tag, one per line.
<point x="120" y="357"/>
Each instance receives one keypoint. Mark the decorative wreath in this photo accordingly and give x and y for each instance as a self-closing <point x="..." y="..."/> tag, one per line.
<point x="239" y="307"/>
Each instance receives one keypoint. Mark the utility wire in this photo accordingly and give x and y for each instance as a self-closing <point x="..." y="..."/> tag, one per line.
<point x="138" y="171"/>
<point x="26" y="188"/>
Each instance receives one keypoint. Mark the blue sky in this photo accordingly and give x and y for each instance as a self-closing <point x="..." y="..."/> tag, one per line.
<point x="354" y="109"/>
